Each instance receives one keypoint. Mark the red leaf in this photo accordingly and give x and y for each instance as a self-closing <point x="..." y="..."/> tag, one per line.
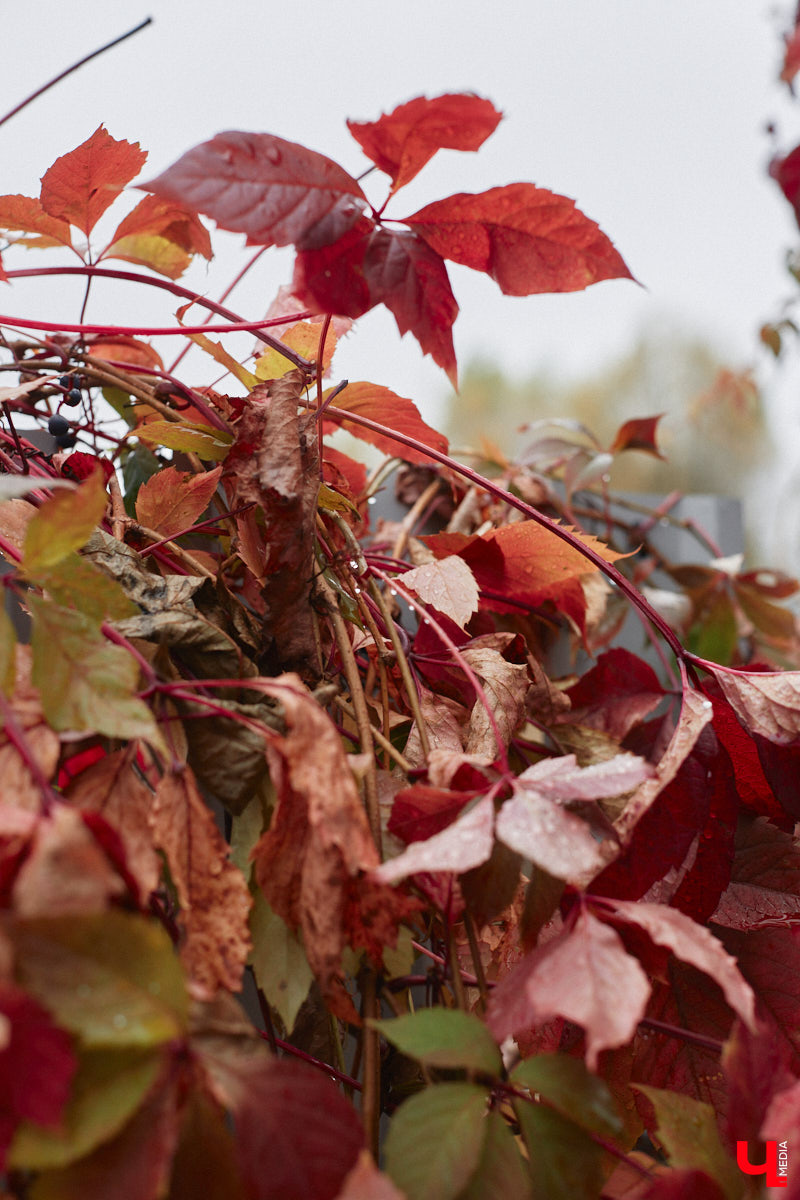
<point x="751" y="785"/>
<point x="297" y="1137"/>
<point x="403" y="141"/>
<point x="769" y="958"/>
<point x="411" y="280"/>
<point x="275" y="191"/>
<point x="583" y="974"/>
<point x="421" y="811"/>
<point x="683" y="844"/>
<point x="527" y="239"/>
<point x="36" y="1065"/>
<point x="763" y="885"/>
<point x="694" y="944"/>
<point x="386" y="407"/>
<point x="755" y="1067"/>
<point x="26" y="214"/>
<point x="331" y="278"/>
<point x="694" y="716"/>
<point x="461" y="846"/>
<point x="786" y="172"/>
<point x="637" y="434"/>
<point x="616" y="694"/>
<point x="782" y="1123"/>
<point x="80" y="466"/>
<point x="371" y="265"/>
<point x="791" y="56"/>
<point x="535" y="823"/>
<point x="81" y="185"/>
<point x="685" y="1001"/>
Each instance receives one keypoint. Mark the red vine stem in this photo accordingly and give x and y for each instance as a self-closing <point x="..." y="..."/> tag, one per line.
<point x="175" y="289"/>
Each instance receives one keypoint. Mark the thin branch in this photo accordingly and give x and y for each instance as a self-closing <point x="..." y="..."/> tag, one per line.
<point x="75" y="66"/>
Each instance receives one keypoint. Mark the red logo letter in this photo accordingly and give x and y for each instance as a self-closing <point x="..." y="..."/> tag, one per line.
<point x="768" y="1168"/>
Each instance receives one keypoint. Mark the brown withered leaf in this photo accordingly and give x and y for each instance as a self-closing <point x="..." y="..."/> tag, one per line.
<point x="112" y="788"/>
<point x="212" y="892"/>
<point x="319" y="837"/>
<point x="66" y="871"/>
<point x="448" y="584"/>
<point x="273" y="462"/>
<point x="765" y="702"/>
<point x="19" y="786"/>
<point x="14" y="517"/>
<point x="505" y="686"/>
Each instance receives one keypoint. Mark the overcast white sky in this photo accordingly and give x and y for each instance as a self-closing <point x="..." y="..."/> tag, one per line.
<point x="650" y="113"/>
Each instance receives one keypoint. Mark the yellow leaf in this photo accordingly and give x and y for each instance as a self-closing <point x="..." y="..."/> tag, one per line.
<point x="208" y="443"/>
<point x="64" y="523"/>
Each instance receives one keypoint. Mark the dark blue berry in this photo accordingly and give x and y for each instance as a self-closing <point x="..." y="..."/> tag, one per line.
<point x="73" y="397"/>
<point x="58" y="425"/>
<point x="65" y="441"/>
<point x="65" y="381"/>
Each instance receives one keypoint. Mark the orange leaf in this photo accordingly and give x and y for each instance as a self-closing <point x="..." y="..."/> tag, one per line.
<point x="526" y="238"/>
<point x="171" y="501"/>
<point x="124" y="351"/>
<point x="160" y="235"/>
<point x="637" y="434"/>
<point x="19" y="785"/>
<point x="522" y="562"/>
<point x="26" y="214"/>
<point x="385" y="406"/>
<point x="112" y="788"/>
<point x="81" y="185"/>
<point x="402" y="141"/>
<point x="168" y="220"/>
<point x="212" y="892"/>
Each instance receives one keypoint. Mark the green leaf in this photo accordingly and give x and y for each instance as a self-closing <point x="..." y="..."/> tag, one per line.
<point x="502" y="1172"/>
<point x="441" y="1037"/>
<point x="138" y="465"/>
<point x="210" y="444"/>
<point x="8" y="648"/>
<point x="687" y="1130"/>
<point x="74" y="582"/>
<point x="247" y="827"/>
<point x="564" y="1163"/>
<point x="123" y="404"/>
<point x="86" y="682"/>
<point x="436" y="1140"/>
<point x="567" y="1085"/>
<point x="64" y="523"/>
<point x="279" y="962"/>
<point x="400" y="959"/>
<point x="113" y="979"/>
<point x="108" y="1088"/>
